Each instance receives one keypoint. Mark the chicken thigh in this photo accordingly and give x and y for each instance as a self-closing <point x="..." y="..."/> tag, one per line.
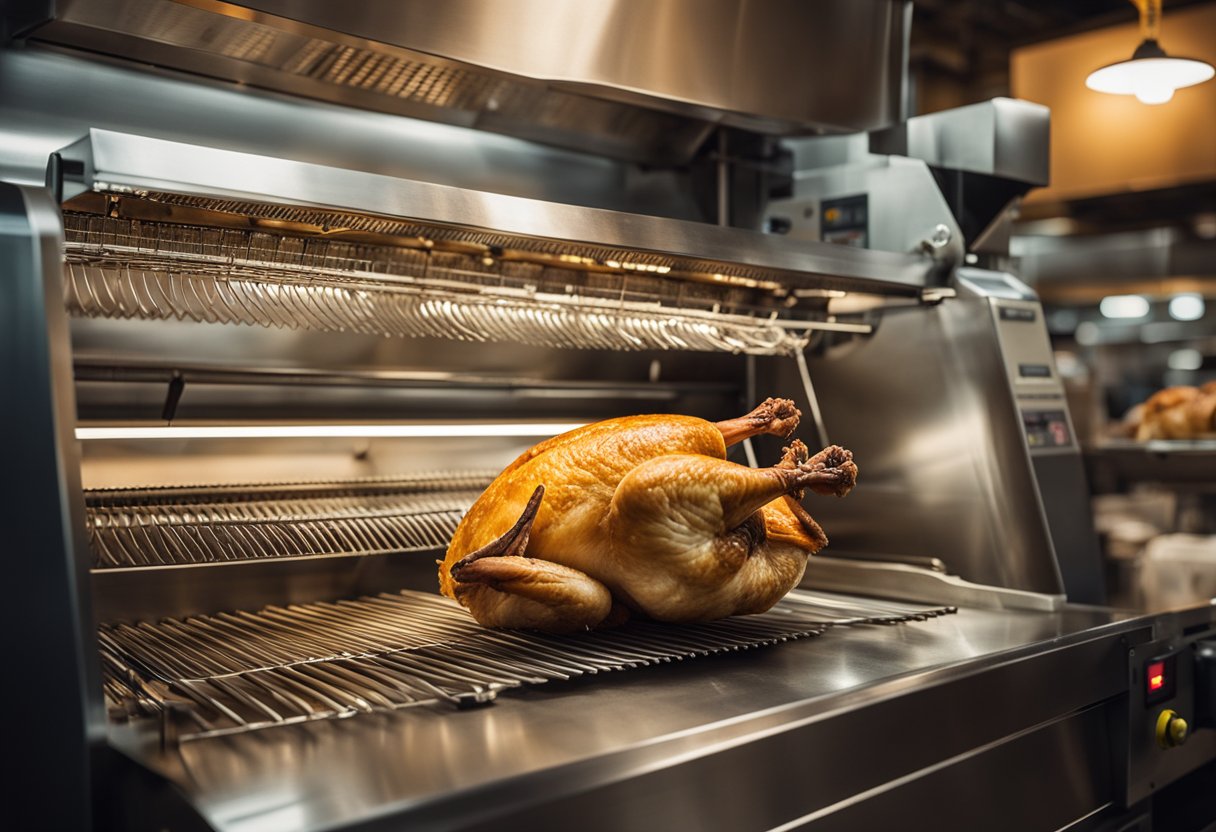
<point x="642" y="516"/>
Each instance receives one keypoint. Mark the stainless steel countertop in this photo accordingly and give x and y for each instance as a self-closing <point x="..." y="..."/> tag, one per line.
<point x="444" y="763"/>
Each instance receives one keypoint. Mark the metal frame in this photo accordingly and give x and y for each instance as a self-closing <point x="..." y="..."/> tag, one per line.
<point x="274" y="188"/>
<point x="48" y="553"/>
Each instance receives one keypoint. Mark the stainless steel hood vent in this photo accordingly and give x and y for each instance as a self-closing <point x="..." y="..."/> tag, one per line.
<point x="174" y="179"/>
<point x="632" y="79"/>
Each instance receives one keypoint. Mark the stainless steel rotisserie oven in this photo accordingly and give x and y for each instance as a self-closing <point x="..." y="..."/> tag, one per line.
<point x="261" y="353"/>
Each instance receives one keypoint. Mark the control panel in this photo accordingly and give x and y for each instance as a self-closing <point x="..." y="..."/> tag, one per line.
<point x="1172" y="710"/>
<point x="1030" y="366"/>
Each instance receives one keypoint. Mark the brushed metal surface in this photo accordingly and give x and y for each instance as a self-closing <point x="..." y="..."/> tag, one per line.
<point x="987" y="789"/>
<point x="121" y="163"/>
<point x="885" y="576"/>
<point x="927" y="408"/>
<point x="759" y="64"/>
<point x="1149" y="767"/>
<point x="739" y="742"/>
<point x="1002" y="137"/>
<point x="49" y="100"/>
<point x="47" y="607"/>
<point x="904" y="204"/>
<point x="545" y="68"/>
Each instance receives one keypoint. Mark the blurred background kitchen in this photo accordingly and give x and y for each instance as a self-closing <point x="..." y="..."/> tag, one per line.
<point x="1121" y="247"/>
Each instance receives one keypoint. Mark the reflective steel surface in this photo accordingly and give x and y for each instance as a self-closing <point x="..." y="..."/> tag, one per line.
<point x="625" y="77"/>
<point x="1002" y="137"/>
<point x="440" y="768"/>
<point x="49" y="100"/>
<point x="47" y="609"/>
<point x="928" y="405"/>
<point x="122" y="163"/>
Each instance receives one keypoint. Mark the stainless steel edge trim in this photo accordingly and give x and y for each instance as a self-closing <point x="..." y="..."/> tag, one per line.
<point x="897" y="580"/>
<point x="50" y="604"/>
<point x="123" y="163"/>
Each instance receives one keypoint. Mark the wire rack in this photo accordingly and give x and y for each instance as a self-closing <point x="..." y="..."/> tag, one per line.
<point x="132" y="269"/>
<point x="173" y="526"/>
<point x="208" y="676"/>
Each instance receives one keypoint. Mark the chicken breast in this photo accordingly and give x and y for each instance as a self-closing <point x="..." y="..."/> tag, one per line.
<point x="642" y="516"/>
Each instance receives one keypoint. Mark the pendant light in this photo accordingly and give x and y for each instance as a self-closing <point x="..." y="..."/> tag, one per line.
<point x="1150" y="74"/>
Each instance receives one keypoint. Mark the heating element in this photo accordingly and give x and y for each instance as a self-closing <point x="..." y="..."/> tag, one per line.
<point x="212" y="675"/>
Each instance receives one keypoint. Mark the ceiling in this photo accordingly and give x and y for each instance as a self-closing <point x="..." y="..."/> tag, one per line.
<point x="960" y="48"/>
<point x="960" y="54"/>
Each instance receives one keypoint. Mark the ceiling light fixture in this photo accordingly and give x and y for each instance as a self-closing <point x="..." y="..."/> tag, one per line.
<point x="1150" y="74"/>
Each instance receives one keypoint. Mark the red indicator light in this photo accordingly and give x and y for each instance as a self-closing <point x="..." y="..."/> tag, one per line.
<point x="1156" y="676"/>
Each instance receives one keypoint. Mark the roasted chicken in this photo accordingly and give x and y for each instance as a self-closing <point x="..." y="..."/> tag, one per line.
<point x="642" y="516"/>
<point x="1179" y="413"/>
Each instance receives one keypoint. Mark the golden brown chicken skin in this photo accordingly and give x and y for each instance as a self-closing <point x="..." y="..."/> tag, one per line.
<point x="1179" y="413"/>
<point x="642" y="516"/>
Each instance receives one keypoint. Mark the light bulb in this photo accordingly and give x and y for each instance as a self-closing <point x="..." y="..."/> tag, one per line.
<point x="1153" y="93"/>
<point x="1188" y="307"/>
<point x="1124" y="306"/>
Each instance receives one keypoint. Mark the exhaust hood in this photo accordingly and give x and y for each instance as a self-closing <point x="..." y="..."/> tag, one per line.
<point x="634" y="79"/>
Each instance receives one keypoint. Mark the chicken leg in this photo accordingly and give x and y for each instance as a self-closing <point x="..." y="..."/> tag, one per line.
<point x="695" y="523"/>
<point x="778" y="417"/>
<point x="504" y="588"/>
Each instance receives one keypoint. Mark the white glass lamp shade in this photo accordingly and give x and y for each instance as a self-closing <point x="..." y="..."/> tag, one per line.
<point x="1150" y="75"/>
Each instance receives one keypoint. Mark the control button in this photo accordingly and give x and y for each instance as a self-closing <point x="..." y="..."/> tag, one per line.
<point x="1172" y="729"/>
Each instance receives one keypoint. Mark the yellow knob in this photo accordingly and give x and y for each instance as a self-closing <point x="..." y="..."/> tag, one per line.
<point x="1178" y="730"/>
<point x="1171" y="729"/>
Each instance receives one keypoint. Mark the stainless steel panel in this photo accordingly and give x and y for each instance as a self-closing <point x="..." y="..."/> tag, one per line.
<point x="760" y="64"/>
<point x="741" y="742"/>
<point x="925" y="406"/>
<point x="1134" y="257"/>
<point x="47" y="606"/>
<point x="1003" y="137"/>
<point x="890" y="576"/>
<point x="49" y="100"/>
<point x="545" y="68"/>
<point x="1148" y="768"/>
<point x="904" y="205"/>
<point x="989" y="788"/>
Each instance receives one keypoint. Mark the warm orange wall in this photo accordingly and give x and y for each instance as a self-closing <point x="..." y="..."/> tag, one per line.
<point x="1103" y="143"/>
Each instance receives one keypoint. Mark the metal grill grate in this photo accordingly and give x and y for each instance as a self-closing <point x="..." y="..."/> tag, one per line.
<point x="159" y="527"/>
<point x="231" y="672"/>
<point x="130" y="269"/>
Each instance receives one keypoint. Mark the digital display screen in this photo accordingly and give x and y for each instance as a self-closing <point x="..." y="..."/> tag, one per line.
<point x="1046" y="428"/>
